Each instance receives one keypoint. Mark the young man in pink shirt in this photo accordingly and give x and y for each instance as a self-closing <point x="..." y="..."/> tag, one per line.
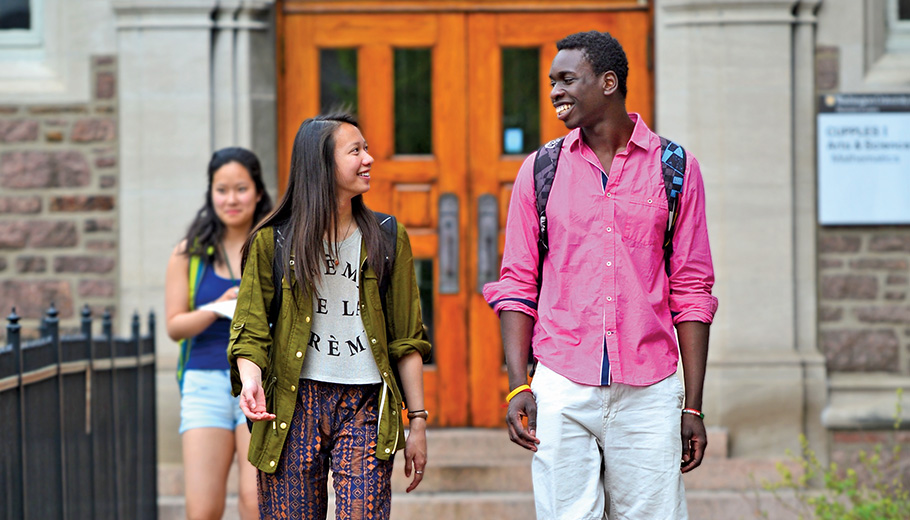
<point x="605" y="411"/>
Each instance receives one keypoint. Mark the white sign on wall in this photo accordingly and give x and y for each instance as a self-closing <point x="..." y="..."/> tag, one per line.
<point x="864" y="159"/>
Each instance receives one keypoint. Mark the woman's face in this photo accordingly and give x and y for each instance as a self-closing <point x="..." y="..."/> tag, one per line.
<point x="352" y="162"/>
<point x="234" y="195"/>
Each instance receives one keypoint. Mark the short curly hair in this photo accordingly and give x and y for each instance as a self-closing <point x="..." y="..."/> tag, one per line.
<point x="602" y="51"/>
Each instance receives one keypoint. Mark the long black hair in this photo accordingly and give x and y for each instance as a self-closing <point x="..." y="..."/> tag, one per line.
<point x="207" y="230"/>
<point x="308" y="210"/>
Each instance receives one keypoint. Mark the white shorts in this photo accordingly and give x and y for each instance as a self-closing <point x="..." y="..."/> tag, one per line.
<point x="607" y="451"/>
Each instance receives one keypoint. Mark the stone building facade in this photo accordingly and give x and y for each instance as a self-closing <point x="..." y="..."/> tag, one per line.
<point x="102" y="166"/>
<point x="59" y="171"/>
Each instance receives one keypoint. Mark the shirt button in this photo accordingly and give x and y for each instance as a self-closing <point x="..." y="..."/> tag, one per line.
<point x="609" y="264"/>
<point x="283" y="425"/>
<point x="299" y="354"/>
<point x="272" y="463"/>
<point x="609" y="298"/>
<point x="609" y="195"/>
<point x="609" y="333"/>
<point x="293" y="388"/>
<point x="649" y="201"/>
<point x="609" y="229"/>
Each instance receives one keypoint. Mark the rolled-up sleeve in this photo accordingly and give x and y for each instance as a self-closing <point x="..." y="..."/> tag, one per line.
<point x="250" y="335"/>
<point x="516" y="289"/>
<point x="691" y="269"/>
<point x="406" y="324"/>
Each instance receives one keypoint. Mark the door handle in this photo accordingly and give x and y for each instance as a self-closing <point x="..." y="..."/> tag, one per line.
<point x="487" y="240"/>
<point x="449" y="250"/>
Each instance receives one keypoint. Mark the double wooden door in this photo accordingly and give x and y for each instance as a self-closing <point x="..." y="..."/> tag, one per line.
<point x="450" y="100"/>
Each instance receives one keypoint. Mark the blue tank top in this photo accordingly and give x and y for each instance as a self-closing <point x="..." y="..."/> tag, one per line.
<point x="209" y="348"/>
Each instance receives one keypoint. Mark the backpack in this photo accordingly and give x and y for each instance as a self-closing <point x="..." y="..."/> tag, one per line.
<point x="387" y="223"/>
<point x="196" y="269"/>
<point x="673" y="170"/>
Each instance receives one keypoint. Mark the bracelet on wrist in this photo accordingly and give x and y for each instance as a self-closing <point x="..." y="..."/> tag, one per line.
<point x="423" y="414"/>
<point x="516" y="391"/>
<point x="693" y="411"/>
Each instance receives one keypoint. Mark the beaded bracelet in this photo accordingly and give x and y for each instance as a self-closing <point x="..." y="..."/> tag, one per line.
<point x="693" y="411"/>
<point x="518" y="390"/>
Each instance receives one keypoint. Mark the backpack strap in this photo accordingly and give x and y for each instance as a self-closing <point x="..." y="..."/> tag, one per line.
<point x="544" y="172"/>
<point x="196" y="270"/>
<point x="388" y="224"/>
<point x="673" y="169"/>
<point x="278" y="240"/>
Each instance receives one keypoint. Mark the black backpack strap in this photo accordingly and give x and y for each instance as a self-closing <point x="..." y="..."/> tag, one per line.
<point x="673" y="169"/>
<point x="279" y="239"/>
<point x="389" y="225"/>
<point x="544" y="172"/>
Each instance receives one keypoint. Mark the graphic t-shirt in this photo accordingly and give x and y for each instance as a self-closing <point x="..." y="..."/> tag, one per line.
<point x="338" y="350"/>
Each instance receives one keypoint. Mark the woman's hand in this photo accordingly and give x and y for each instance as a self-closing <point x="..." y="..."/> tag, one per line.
<point x="230" y="294"/>
<point x="415" y="451"/>
<point x="252" y="395"/>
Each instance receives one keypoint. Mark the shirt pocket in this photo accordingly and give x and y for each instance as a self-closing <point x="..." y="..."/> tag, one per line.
<point x="645" y="221"/>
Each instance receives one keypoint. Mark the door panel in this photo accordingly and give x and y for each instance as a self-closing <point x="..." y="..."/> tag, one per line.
<point x="493" y="171"/>
<point x="466" y="384"/>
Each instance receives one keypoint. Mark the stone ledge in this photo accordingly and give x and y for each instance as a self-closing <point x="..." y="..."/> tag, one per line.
<point x="865" y="401"/>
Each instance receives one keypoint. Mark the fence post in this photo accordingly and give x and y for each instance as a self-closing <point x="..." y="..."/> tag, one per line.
<point x="14" y="337"/>
<point x="52" y="329"/>
<point x="108" y="331"/>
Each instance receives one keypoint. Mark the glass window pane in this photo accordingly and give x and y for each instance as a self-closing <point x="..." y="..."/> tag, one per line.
<point x="520" y="100"/>
<point x="338" y="80"/>
<point x="903" y="10"/>
<point x="413" y="109"/>
<point x="424" y="270"/>
<point x="15" y="14"/>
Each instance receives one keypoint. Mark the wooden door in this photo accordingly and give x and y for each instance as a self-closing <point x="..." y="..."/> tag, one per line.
<point x="496" y="39"/>
<point x="441" y="180"/>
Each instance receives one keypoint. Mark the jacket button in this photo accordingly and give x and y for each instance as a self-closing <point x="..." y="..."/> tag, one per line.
<point x="307" y="319"/>
<point x="272" y="463"/>
<point x="293" y="388"/>
<point x="394" y="412"/>
<point x="283" y="425"/>
<point x="387" y="450"/>
<point x="299" y="354"/>
<point x="385" y="374"/>
<point x="373" y="341"/>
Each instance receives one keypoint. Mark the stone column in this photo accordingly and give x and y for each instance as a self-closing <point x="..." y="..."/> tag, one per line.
<point x="732" y="89"/>
<point x="182" y="95"/>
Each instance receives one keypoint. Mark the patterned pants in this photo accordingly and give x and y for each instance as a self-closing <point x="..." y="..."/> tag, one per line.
<point x="334" y="426"/>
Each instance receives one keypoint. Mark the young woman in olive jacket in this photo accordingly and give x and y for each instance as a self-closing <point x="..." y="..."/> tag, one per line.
<point x="321" y="386"/>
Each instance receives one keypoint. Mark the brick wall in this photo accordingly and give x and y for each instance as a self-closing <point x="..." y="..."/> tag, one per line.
<point x="58" y="212"/>
<point x="864" y="310"/>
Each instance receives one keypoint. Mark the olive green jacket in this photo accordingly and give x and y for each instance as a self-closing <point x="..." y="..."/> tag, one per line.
<point x="281" y="358"/>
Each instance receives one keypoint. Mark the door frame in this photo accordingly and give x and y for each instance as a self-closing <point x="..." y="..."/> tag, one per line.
<point x="467" y="385"/>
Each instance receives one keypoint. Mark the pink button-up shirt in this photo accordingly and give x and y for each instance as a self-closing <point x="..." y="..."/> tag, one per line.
<point x="606" y="303"/>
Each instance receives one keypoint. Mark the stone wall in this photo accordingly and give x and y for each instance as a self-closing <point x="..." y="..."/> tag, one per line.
<point x="59" y="168"/>
<point x="864" y="311"/>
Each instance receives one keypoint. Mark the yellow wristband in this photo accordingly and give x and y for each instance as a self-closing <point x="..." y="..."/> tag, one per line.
<point x="518" y="390"/>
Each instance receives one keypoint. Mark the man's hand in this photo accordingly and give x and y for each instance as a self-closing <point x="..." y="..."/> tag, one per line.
<point x="520" y="407"/>
<point x="694" y="442"/>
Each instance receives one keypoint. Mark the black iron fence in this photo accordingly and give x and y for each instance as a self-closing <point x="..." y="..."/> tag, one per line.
<point x="77" y="438"/>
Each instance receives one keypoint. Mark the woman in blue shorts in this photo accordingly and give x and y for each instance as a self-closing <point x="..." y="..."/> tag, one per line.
<point x="205" y="268"/>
